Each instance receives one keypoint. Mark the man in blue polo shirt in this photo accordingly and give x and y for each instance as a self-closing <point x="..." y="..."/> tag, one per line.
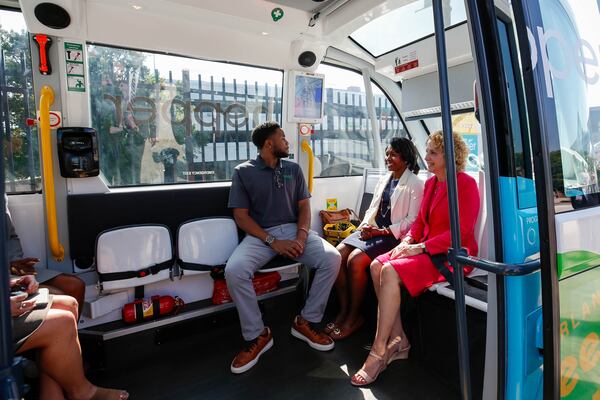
<point x="271" y="204"/>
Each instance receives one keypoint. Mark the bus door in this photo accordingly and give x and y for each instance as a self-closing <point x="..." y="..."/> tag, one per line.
<point x="560" y="53"/>
<point x="516" y="233"/>
<point x="520" y="352"/>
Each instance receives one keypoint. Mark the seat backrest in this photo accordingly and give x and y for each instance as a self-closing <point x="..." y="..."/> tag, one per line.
<point x="481" y="224"/>
<point x="142" y="250"/>
<point x="370" y="178"/>
<point x="205" y="242"/>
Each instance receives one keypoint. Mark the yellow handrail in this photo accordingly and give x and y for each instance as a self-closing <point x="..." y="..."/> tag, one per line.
<point x="311" y="160"/>
<point x="46" y="100"/>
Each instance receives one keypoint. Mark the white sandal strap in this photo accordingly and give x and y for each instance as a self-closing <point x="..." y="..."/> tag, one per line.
<point x="375" y="355"/>
<point x="363" y="374"/>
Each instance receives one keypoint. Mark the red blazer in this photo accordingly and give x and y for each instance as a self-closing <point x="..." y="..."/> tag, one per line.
<point x="432" y="226"/>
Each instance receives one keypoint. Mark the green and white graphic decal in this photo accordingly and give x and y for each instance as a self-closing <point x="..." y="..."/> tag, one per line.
<point x="277" y="14"/>
<point x="580" y="336"/>
<point x="74" y="67"/>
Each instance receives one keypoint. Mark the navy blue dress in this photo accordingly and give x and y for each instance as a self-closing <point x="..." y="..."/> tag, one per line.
<point x="381" y="244"/>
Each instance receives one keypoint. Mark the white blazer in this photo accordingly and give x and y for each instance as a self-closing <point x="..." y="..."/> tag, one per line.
<point x="405" y="202"/>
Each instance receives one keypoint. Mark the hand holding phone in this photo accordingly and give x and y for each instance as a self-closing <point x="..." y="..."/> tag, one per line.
<point x="30" y="283"/>
<point x="19" y="305"/>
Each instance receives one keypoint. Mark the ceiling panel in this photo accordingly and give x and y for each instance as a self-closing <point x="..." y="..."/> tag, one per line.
<point x="305" y="5"/>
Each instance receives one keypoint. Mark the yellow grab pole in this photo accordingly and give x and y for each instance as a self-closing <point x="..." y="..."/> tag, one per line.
<point x="306" y="148"/>
<point x="46" y="100"/>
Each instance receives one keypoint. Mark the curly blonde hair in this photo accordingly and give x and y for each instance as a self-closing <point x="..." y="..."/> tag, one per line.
<point x="461" y="151"/>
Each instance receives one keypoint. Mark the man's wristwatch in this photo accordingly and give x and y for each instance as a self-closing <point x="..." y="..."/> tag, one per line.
<point x="422" y="247"/>
<point x="269" y="240"/>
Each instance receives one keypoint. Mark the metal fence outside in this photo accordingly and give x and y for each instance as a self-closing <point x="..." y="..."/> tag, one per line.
<point x="209" y="124"/>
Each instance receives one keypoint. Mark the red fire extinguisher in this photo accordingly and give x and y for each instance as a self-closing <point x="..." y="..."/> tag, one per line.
<point x="146" y="309"/>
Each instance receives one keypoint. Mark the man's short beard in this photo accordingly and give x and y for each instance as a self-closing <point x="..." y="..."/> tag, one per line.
<point x="280" y="153"/>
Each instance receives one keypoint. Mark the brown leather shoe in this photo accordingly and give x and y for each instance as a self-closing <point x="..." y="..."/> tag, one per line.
<point x="304" y="330"/>
<point x="248" y="357"/>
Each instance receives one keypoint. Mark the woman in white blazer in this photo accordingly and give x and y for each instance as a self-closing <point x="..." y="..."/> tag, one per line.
<point x="394" y="208"/>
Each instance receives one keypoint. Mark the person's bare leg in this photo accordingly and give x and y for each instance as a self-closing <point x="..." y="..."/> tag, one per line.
<point x="358" y="263"/>
<point x="341" y="284"/>
<point x="67" y="303"/>
<point x="397" y="329"/>
<point x="376" y="275"/>
<point x="388" y="310"/>
<point x="49" y="388"/>
<point x="69" y="285"/>
<point x="60" y="355"/>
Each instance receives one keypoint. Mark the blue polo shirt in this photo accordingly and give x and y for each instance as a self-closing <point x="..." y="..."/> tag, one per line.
<point x="270" y="194"/>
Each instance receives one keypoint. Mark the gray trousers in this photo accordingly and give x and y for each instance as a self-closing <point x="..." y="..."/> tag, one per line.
<point x="252" y="253"/>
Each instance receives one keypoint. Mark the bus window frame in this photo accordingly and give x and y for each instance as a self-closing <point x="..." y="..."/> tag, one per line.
<point x="283" y="107"/>
<point x="392" y="103"/>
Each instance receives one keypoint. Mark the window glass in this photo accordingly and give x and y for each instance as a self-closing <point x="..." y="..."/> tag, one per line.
<point x="17" y="103"/>
<point x="570" y="33"/>
<point x="168" y="119"/>
<point x="521" y="146"/>
<point x="405" y="24"/>
<point x="343" y="143"/>
<point x="469" y="128"/>
<point x="390" y="124"/>
<point x="433" y="124"/>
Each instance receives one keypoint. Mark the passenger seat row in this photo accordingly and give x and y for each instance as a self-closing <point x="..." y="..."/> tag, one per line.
<point x="137" y="255"/>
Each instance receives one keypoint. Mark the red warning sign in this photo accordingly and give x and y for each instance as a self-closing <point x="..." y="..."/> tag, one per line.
<point x="406" y="66"/>
<point x="305" y="129"/>
<point x="55" y="119"/>
<point x="406" y="62"/>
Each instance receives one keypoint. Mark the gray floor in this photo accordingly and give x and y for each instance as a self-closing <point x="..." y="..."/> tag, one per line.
<point x="192" y="362"/>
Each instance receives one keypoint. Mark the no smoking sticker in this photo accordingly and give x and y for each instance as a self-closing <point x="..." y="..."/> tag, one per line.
<point x="55" y="119"/>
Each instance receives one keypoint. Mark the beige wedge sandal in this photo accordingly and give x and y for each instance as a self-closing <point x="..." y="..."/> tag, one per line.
<point x="364" y="376"/>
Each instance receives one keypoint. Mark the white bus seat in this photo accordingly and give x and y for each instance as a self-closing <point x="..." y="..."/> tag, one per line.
<point x="205" y="243"/>
<point x="370" y="178"/>
<point x="471" y="299"/>
<point x="133" y="256"/>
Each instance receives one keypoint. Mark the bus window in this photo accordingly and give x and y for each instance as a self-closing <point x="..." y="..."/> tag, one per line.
<point x="21" y="150"/>
<point x="469" y="128"/>
<point x="168" y="119"/>
<point x="344" y="142"/>
<point x="405" y="25"/>
<point x="570" y="34"/>
<point x="390" y="124"/>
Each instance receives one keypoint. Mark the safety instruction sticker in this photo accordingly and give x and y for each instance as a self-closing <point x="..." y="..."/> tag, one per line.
<point x="75" y="67"/>
<point x="331" y="204"/>
<point x="406" y="62"/>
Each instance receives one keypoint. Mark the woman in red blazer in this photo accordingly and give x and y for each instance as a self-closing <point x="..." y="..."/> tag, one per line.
<point x="409" y="264"/>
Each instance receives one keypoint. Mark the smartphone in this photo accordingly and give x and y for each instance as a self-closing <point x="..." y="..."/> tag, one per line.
<point x="18" y="289"/>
